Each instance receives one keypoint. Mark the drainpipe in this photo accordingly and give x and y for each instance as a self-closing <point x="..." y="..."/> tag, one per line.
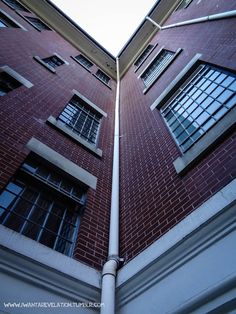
<point x="110" y="267"/>
<point x="194" y="21"/>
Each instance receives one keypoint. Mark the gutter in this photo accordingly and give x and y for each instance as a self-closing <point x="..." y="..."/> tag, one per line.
<point x="110" y="267"/>
<point x="195" y="21"/>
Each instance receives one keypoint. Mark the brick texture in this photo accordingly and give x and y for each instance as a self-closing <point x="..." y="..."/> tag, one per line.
<point x="154" y="198"/>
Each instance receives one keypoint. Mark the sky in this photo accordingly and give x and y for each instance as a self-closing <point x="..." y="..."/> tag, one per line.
<point x="109" y="22"/>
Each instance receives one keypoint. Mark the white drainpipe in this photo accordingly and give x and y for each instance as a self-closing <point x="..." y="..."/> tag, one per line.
<point x="194" y="21"/>
<point x="110" y="267"/>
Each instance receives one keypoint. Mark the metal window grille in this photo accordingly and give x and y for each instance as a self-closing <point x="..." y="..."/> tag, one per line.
<point x="37" y="23"/>
<point x="16" y="5"/>
<point x="199" y="103"/>
<point x="157" y="67"/>
<point x="84" y="61"/>
<point x="184" y="4"/>
<point x="143" y="55"/>
<point x="81" y="119"/>
<point x="103" y="77"/>
<point x="42" y="205"/>
<point x="6" y="22"/>
<point x="53" y="61"/>
<point x="7" y="83"/>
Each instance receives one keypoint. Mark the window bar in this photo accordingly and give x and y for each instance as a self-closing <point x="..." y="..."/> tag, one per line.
<point x="45" y="221"/>
<point x="59" y="230"/>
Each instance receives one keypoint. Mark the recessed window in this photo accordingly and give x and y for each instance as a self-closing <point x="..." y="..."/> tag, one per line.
<point x="6" y="21"/>
<point x="184" y="4"/>
<point x="53" y="61"/>
<point x="84" y="61"/>
<point x="157" y="66"/>
<point x="81" y="119"/>
<point x="38" y="24"/>
<point x="143" y="55"/>
<point x="7" y="83"/>
<point x="208" y="95"/>
<point x="15" y="5"/>
<point x="44" y="205"/>
<point x="103" y="77"/>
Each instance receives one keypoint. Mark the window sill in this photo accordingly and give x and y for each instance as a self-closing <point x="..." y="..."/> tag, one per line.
<point x="101" y="81"/>
<point x="195" y="153"/>
<point x="77" y="61"/>
<point x="51" y="120"/>
<point x="48" y="67"/>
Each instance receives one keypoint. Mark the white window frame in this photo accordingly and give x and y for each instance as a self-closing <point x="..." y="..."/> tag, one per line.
<point x="13" y="20"/>
<point x="47" y="66"/>
<point x="10" y="6"/>
<point x="217" y="131"/>
<point x="150" y="51"/>
<point x="16" y="76"/>
<point x="178" y="51"/>
<point x="95" y="74"/>
<point x="80" y="63"/>
<point x="61" y="126"/>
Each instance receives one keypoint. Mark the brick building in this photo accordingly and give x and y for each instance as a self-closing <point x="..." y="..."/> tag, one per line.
<point x="150" y="133"/>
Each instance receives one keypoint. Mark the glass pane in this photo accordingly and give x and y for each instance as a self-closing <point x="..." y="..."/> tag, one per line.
<point x="38" y="215"/>
<point x="30" y="195"/>
<point x="31" y="230"/>
<point x="63" y="246"/>
<point x="208" y="124"/>
<point x="67" y="231"/>
<point x="53" y="223"/>
<point x="22" y="207"/>
<point x="225" y="96"/>
<point x="7" y="199"/>
<point x="47" y="238"/>
<point x="58" y="209"/>
<point x="220" y="113"/>
<point x="231" y="102"/>
<point x="14" y="222"/>
<point x="228" y="81"/>
<point x="213" y="107"/>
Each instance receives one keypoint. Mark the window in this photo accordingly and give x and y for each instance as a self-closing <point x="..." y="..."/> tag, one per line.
<point x="84" y="61"/>
<point x="42" y="204"/>
<point x="208" y="95"/>
<point x="103" y="77"/>
<point x="6" y="21"/>
<point x="38" y="24"/>
<point x="81" y="119"/>
<point x="143" y="55"/>
<point x="157" y="66"/>
<point x="7" y="83"/>
<point x="15" y="5"/>
<point x="53" y="61"/>
<point x="184" y="4"/>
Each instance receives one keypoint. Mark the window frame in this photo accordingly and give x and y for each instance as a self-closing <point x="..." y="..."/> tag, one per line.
<point x="146" y="57"/>
<point x="67" y="131"/>
<point x="12" y="20"/>
<point x="15" y="9"/>
<point x="175" y="54"/>
<point x="26" y="18"/>
<point x="80" y="63"/>
<point x="46" y="65"/>
<point x="106" y="84"/>
<point x="41" y="188"/>
<point x="211" y="137"/>
<point x="184" y="7"/>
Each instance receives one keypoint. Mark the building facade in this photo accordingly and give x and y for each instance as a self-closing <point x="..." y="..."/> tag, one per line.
<point x="176" y="90"/>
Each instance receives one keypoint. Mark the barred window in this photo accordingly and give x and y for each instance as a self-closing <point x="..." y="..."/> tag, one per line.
<point x="6" y="21"/>
<point x="81" y="119"/>
<point x="7" y="83"/>
<point x="199" y="103"/>
<point x="143" y="55"/>
<point x="16" y="5"/>
<point x="37" y="23"/>
<point x="53" y="61"/>
<point x="156" y="67"/>
<point x="103" y="77"/>
<point x="84" y="61"/>
<point x="40" y="203"/>
<point x="184" y="4"/>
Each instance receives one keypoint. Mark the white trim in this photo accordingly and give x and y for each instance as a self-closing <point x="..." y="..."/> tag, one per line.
<point x="211" y="208"/>
<point x="16" y="76"/>
<point x="34" y="262"/>
<point x="61" y="126"/>
<point x="89" y="102"/>
<point x="47" y="66"/>
<point x="159" y="101"/>
<point x="58" y="56"/>
<point x="10" y="6"/>
<point x="61" y="162"/>
<point x="13" y="20"/>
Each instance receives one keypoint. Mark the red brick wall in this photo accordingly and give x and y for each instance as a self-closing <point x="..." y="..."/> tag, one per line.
<point x="154" y="197"/>
<point x="23" y="114"/>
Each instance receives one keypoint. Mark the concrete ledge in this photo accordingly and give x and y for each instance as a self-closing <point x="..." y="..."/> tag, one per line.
<point x="89" y="102"/>
<point x="16" y="76"/>
<point x="192" y="155"/>
<point x="13" y="20"/>
<point x="57" y="124"/>
<point x="58" y="56"/>
<point x="173" y="85"/>
<point x="39" y="60"/>
<point x="61" y="162"/>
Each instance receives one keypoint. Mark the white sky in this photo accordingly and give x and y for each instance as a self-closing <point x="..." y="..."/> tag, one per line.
<point x="110" y="22"/>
